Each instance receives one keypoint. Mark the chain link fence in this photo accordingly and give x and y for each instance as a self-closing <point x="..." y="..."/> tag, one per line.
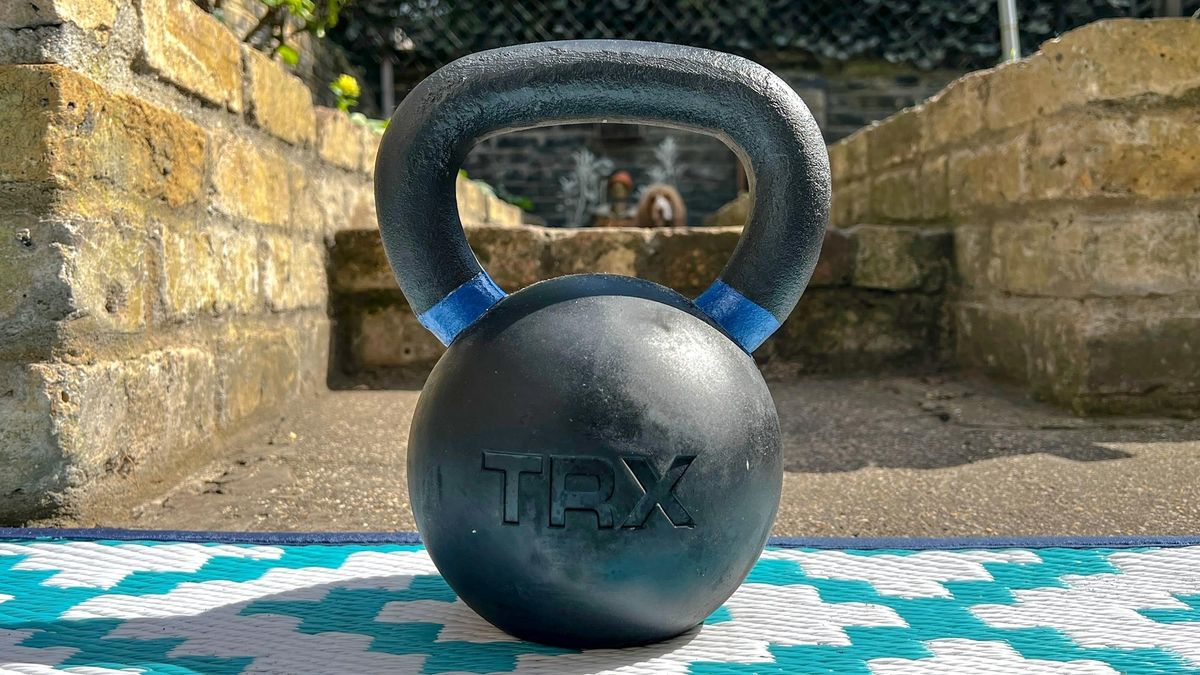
<point x="421" y="35"/>
<point x="853" y="62"/>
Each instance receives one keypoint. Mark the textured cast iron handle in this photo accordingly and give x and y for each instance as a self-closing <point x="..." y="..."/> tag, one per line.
<point x="525" y="86"/>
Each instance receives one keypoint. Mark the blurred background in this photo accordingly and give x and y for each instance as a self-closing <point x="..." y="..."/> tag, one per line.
<point x="200" y="329"/>
<point x="853" y="63"/>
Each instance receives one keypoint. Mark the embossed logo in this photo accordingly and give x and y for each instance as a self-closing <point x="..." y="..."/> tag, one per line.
<point x="588" y="483"/>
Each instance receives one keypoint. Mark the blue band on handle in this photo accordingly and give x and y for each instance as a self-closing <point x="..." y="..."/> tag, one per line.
<point x="747" y="323"/>
<point x="453" y="313"/>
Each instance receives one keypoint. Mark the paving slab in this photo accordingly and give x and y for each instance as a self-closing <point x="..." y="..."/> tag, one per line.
<point x="865" y="456"/>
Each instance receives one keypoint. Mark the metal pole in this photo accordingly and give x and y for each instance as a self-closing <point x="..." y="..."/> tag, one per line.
<point x="387" y="86"/>
<point x="1168" y="8"/>
<point x="1010" y="40"/>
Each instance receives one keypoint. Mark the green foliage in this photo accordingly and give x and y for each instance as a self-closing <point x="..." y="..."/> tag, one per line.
<point x="346" y="89"/>
<point x="375" y="125"/>
<point x="288" y="55"/>
<point x="283" y="19"/>
<point x="317" y="16"/>
<point x="520" y="201"/>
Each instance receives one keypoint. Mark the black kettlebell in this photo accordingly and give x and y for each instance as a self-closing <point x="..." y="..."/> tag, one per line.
<point x="595" y="460"/>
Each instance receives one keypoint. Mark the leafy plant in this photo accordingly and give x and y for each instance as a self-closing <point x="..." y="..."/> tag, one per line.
<point x="284" y="19"/>
<point x="346" y="89"/>
<point x="376" y="125"/>
<point x="583" y="188"/>
<point x="668" y="170"/>
<point x="519" y="201"/>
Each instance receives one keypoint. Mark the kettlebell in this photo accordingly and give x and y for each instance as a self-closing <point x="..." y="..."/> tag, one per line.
<point x="595" y="461"/>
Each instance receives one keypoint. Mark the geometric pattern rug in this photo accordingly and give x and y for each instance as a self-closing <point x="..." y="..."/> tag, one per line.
<point x="101" y="602"/>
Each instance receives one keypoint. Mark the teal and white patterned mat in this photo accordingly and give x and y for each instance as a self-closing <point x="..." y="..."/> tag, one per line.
<point x="195" y="603"/>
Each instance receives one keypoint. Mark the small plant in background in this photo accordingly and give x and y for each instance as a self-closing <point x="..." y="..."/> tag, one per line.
<point x="346" y="89"/>
<point x="668" y="170"/>
<point x="583" y="188"/>
<point x="283" y="19"/>
<point x="376" y="125"/>
<point x="520" y="201"/>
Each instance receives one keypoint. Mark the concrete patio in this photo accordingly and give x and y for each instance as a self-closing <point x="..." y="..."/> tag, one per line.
<point x="865" y="456"/>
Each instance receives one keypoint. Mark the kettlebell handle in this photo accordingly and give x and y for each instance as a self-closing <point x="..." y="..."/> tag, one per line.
<point x="533" y="85"/>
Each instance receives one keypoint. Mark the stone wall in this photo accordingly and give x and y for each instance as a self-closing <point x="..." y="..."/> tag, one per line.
<point x="1071" y="181"/>
<point x="178" y="222"/>
<point x="875" y="301"/>
<point x="165" y="197"/>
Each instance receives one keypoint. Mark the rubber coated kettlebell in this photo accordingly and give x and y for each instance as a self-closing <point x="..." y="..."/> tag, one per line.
<point x="595" y="461"/>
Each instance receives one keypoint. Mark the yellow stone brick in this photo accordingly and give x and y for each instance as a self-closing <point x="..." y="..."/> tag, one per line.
<point x="1156" y="156"/>
<point x="896" y="195"/>
<point x="991" y="337"/>
<point x="304" y="212"/>
<point x="851" y="202"/>
<point x="71" y="281"/>
<point x="934" y="187"/>
<point x="30" y="102"/>
<point x="208" y="270"/>
<point x="987" y="176"/>
<point x="956" y="113"/>
<point x="472" y="202"/>
<point x="91" y="15"/>
<point x="109" y="414"/>
<point x="278" y="101"/>
<point x="1143" y="252"/>
<point x="1041" y="256"/>
<point x="61" y="128"/>
<point x="258" y="367"/>
<point x="391" y="336"/>
<point x="370" y="148"/>
<point x="838" y="160"/>
<point x="1124" y="58"/>
<point x="338" y="139"/>
<point x="500" y="212"/>
<point x="292" y="272"/>
<point x="857" y="145"/>
<point x="345" y="202"/>
<point x="604" y="251"/>
<point x="884" y="258"/>
<point x="252" y="183"/>
<point x="513" y="256"/>
<point x="896" y="139"/>
<point x="1105" y="60"/>
<point x="190" y="48"/>
<point x="1026" y="90"/>
<point x="973" y="258"/>
<point x="108" y="270"/>
<point x="1083" y="251"/>
<point x="733" y="213"/>
<point x="359" y="263"/>
<point x="263" y="363"/>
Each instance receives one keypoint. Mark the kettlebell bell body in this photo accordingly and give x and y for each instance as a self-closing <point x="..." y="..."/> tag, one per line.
<point x="596" y="460"/>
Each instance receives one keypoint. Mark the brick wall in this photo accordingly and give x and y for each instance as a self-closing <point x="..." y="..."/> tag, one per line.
<point x="1071" y="181"/>
<point x="165" y="198"/>
<point x="843" y="98"/>
<point x="875" y="301"/>
<point x="530" y="163"/>
<point x="172" y="205"/>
